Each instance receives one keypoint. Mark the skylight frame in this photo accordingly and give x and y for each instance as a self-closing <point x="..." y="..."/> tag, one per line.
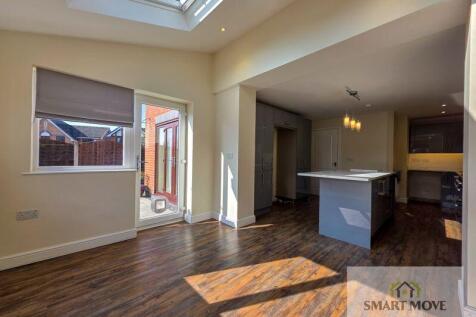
<point x="180" y="5"/>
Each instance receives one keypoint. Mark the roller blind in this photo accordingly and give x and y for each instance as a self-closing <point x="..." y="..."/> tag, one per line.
<point x="74" y="98"/>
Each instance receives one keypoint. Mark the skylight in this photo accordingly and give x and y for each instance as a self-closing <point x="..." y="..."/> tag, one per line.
<point x="182" y="15"/>
<point x="181" y="5"/>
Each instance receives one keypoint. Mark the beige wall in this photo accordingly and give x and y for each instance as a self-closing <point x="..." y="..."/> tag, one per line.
<point x="278" y="41"/>
<point x="79" y="206"/>
<point x="401" y="155"/>
<point x="371" y="148"/>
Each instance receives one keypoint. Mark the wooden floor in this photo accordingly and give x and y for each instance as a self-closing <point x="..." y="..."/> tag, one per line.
<point x="278" y="267"/>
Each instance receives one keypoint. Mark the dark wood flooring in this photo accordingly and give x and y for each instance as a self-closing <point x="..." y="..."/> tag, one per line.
<point x="278" y="267"/>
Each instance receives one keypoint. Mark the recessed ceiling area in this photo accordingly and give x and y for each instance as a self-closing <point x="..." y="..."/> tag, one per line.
<point x="55" y="17"/>
<point x="415" y="77"/>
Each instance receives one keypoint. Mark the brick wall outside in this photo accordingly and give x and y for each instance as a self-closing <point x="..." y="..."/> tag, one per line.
<point x="53" y="152"/>
<point x="149" y="166"/>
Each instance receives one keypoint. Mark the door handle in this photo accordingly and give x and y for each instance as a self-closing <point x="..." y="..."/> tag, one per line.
<point x="138" y="163"/>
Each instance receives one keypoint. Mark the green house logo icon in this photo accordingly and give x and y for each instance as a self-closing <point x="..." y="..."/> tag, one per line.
<point x="405" y="289"/>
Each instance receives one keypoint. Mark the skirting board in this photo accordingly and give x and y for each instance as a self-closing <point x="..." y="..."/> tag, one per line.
<point x="402" y="200"/>
<point x="37" y="255"/>
<point x="159" y="224"/>
<point x="192" y="218"/>
<point x="467" y="311"/>
<point x="236" y="224"/>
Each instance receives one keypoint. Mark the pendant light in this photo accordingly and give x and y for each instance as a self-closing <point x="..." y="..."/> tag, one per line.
<point x="346" y="121"/>
<point x="358" y="126"/>
<point x="353" y="122"/>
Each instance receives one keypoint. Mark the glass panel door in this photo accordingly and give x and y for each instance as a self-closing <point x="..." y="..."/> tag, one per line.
<point x="166" y="183"/>
<point x="159" y="184"/>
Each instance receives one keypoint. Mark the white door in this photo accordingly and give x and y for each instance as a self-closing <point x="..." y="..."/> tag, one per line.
<point x="160" y="152"/>
<point x="326" y="149"/>
<point x="325" y="153"/>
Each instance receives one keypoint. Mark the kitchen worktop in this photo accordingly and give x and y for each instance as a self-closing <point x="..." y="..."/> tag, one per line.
<point x="351" y="175"/>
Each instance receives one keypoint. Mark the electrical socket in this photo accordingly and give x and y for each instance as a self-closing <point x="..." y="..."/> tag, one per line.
<point x="27" y="214"/>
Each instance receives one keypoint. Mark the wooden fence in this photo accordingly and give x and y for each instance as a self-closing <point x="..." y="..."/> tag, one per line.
<point x="98" y="152"/>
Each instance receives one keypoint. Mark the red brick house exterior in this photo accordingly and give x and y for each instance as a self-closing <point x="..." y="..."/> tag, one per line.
<point x="51" y="131"/>
<point x="149" y="152"/>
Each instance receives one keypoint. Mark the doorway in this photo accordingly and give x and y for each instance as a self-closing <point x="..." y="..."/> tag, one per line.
<point x="325" y="147"/>
<point x="160" y="150"/>
<point x="285" y="171"/>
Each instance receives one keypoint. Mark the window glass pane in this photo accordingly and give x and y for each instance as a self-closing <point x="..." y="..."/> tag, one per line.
<point x="68" y="143"/>
<point x="169" y="162"/>
<point x="161" y="159"/>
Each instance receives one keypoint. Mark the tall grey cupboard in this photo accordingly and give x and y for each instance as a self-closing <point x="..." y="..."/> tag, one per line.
<point x="269" y="118"/>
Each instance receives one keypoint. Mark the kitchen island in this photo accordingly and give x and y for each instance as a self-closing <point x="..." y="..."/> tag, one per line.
<point x="354" y="204"/>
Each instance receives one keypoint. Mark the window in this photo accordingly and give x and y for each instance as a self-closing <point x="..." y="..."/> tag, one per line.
<point x="81" y="144"/>
<point x="81" y="124"/>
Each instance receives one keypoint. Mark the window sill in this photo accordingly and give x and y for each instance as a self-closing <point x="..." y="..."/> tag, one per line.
<point x="118" y="170"/>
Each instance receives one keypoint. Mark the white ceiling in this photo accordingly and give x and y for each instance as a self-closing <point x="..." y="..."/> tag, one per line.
<point x="54" y="17"/>
<point x="415" y="77"/>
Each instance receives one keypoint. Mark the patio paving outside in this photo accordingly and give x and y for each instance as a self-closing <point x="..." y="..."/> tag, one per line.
<point x="147" y="212"/>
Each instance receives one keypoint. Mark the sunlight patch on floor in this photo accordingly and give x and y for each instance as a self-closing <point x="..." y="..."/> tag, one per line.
<point x="257" y="226"/>
<point x="258" y="279"/>
<point x="452" y="229"/>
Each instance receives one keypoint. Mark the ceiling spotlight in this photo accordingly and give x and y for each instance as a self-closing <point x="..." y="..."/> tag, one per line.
<point x="368" y="105"/>
<point x="443" y="105"/>
<point x="223" y="29"/>
<point x="443" y="112"/>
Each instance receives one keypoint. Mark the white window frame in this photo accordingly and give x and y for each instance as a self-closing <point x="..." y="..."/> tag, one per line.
<point x="128" y="160"/>
<point x="128" y="157"/>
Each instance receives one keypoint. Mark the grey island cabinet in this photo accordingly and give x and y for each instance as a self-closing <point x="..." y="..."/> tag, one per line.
<point x="354" y="204"/>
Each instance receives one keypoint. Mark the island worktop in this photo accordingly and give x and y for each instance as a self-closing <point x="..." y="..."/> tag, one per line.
<point x="354" y="204"/>
<point x="351" y="175"/>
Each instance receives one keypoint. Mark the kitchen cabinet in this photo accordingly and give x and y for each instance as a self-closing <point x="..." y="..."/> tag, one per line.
<point x="269" y="118"/>
<point x="436" y="135"/>
<point x="285" y="119"/>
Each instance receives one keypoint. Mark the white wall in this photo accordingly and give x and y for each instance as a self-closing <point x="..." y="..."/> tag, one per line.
<point x="371" y="148"/>
<point x="227" y="134"/>
<point x="469" y="166"/>
<point x="303" y="28"/>
<point x="79" y="206"/>
<point x="246" y="172"/>
<point x="235" y="155"/>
